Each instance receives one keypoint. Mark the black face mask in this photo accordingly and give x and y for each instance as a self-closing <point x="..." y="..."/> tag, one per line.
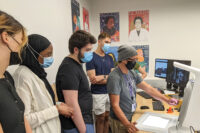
<point x="14" y="57"/>
<point x="130" y="65"/>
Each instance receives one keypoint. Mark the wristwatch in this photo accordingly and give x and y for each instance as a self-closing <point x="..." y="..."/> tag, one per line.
<point x="104" y="77"/>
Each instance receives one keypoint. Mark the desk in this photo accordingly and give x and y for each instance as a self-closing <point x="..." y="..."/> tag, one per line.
<point x="148" y="102"/>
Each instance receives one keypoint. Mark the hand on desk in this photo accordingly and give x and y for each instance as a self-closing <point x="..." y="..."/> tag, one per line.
<point x="131" y="127"/>
<point x="172" y="101"/>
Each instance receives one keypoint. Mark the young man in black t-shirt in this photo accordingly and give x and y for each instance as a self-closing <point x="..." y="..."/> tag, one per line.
<point x="73" y="86"/>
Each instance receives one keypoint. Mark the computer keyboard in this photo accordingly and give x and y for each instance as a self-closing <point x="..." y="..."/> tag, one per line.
<point x="145" y="95"/>
<point x="158" y="106"/>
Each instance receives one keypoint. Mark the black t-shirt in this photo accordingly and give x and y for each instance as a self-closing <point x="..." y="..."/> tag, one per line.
<point x="11" y="107"/>
<point x="71" y="76"/>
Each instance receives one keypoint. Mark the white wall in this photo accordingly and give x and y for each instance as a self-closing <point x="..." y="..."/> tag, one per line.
<point x="50" y="18"/>
<point x="174" y="26"/>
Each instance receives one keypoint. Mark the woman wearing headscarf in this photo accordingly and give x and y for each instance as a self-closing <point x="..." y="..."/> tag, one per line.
<point x="12" y="40"/>
<point x="35" y="90"/>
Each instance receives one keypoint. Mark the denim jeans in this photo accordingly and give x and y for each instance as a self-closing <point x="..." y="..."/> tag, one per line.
<point x="89" y="129"/>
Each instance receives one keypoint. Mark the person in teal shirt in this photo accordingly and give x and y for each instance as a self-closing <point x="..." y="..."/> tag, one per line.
<point x="140" y="70"/>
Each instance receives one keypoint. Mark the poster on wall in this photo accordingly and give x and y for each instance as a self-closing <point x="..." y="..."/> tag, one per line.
<point x="143" y="55"/>
<point x="75" y="15"/>
<point x="109" y="23"/>
<point x="139" y="27"/>
<point x="86" y="26"/>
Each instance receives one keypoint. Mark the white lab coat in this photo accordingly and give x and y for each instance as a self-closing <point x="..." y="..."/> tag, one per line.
<point x="143" y="36"/>
<point x="40" y="111"/>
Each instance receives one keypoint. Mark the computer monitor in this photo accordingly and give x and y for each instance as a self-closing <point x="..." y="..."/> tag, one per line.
<point x="189" y="117"/>
<point x="177" y="76"/>
<point x="189" y="114"/>
<point x="161" y="68"/>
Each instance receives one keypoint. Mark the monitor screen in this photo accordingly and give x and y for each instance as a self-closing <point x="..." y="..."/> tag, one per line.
<point x="161" y="68"/>
<point x="175" y="75"/>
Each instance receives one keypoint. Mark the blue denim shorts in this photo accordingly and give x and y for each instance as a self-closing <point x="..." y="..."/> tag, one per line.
<point x="89" y="129"/>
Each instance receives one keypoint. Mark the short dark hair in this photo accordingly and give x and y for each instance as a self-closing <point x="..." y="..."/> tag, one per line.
<point x="103" y="35"/>
<point x="138" y="18"/>
<point x="109" y="17"/>
<point x="80" y="39"/>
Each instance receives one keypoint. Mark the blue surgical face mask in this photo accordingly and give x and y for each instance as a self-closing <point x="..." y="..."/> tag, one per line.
<point x="47" y="62"/>
<point x="87" y="57"/>
<point x="106" y="47"/>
